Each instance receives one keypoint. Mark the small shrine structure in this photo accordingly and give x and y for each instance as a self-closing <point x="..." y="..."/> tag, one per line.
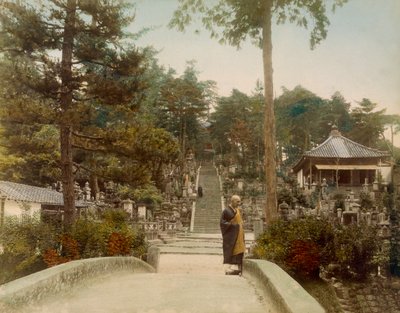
<point x="341" y="162"/>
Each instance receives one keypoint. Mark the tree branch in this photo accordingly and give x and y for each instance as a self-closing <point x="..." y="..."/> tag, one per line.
<point x="86" y="136"/>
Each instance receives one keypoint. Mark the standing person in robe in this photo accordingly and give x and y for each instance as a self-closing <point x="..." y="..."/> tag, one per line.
<point x="233" y="243"/>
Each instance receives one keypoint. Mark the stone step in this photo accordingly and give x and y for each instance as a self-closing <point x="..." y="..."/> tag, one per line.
<point x="206" y="226"/>
<point x="205" y="229"/>
<point x="208" y="208"/>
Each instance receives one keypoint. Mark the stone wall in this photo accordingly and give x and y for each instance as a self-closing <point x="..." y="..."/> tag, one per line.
<point x="287" y="294"/>
<point x="374" y="296"/>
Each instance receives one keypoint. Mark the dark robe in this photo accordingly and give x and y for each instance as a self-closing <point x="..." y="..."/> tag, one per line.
<point x="229" y="236"/>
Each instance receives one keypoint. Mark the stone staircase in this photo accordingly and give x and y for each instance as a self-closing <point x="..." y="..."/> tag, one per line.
<point x="208" y="208"/>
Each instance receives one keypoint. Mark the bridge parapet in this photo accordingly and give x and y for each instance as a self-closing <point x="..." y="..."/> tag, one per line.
<point x="287" y="294"/>
<point x="36" y="286"/>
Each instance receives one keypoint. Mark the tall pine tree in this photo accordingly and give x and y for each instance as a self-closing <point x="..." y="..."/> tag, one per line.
<point x="69" y="55"/>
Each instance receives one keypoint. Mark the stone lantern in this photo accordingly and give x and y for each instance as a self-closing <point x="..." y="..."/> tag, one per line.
<point x="86" y="192"/>
<point x="375" y="186"/>
<point x="324" y="187"/>
<point x="284" y="211"/>
<point x="313" y="186"/>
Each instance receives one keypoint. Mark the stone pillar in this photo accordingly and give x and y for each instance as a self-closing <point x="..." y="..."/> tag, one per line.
<point x="258" y="227"/>
<point x="77" y="191"/>
<point x="142" y="212"/>
<point x="240" y="184"/>
<point x="368" y="218"/>
<point x="127" y="205"/>
<point x="324" y="188"/>
<point x="339" y="214"/>
<point x="365" y="186"/>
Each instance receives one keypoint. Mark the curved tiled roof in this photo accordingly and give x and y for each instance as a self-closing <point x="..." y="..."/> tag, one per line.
<point x="21" y="192"/>
<point x="337" y="146"/>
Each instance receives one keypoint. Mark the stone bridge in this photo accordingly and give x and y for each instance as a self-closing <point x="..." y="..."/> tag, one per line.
<point x="179" y="283"/>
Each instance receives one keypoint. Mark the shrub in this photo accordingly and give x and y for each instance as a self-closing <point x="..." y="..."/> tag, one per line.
<point x="30" y="245"/>
<point x="355" y="247"/>
<point x="300" y="246"/>
<point x="304" y="258"/>
<point x="116" y="218"/>
<point x="339" y="201"/>
<point x="108" y="237"/>
<point x="92" y="236"/>
<point x="366" y="201"/>
<point x="272" y="245"/>
<point x="292" y="196"/>
<point x="119" y="244"/>
<point x="23" y="239"/>
<point x="303" y="246"/>
<point x="139" y="245"/>
<point x="68" y="251"/>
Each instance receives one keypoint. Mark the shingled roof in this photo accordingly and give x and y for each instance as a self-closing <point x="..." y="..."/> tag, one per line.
<point x="337" y="146"/>
<point x="21" y="192"/>
<point x="27" y="193"/>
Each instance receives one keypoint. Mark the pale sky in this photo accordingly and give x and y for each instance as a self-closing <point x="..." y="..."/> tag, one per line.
<point x="360" y="57"/>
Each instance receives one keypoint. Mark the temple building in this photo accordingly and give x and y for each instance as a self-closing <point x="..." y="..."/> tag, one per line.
<point x="18" y="199"/>
<point x="341" y="162"/>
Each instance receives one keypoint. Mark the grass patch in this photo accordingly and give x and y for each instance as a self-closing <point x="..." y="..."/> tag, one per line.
<point x="323" y="293"/>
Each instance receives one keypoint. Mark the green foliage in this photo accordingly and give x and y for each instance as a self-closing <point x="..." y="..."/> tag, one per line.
<point x="237" y="126"/>
<point x="227" y="185"/>
<point x="303" y="246"/>
<point x="32" y="152"/>
<point x="111" y="235"/>
<point x="298" y="112"/>
<point x="30" y="245"/>
<point x="368" y="124"/>
<point x="339" y="200"/>
<point x="92" y="237"/>
<point x="355" y="247"/>
<point x="292" y="197"/>
<point x="233" y="22"/>
<point x="100" y="237"/>
<point x="147" y="194"/>
<point x="394" y="214"/>
<point x="366" y="202"/>
<point x="23" y="239"/>
<point x="183" y="103"/>
<point x="285" y="195"/>
<point x="289" y="245"/>
<point x="115" y="218"/>
<point x="323" y="292"/>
